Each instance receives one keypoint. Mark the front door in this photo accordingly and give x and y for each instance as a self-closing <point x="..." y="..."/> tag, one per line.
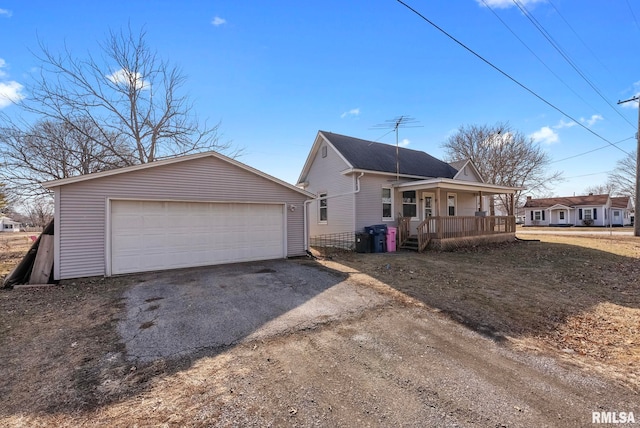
<point x="562" y="217"/>
<point x="428" y="205"/>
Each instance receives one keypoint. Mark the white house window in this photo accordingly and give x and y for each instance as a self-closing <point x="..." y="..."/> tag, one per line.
<point x="387" y="204"/>
<point x="451" y="204"/>
<point x="322" y="208"/>
<point x="537" y="215"/>
<point x="561" y="213"/>
<point x="409" y="205"/>
<point x="324" y="151"/>
<point x="587" y="214"/>
<point x="616" y="214"/>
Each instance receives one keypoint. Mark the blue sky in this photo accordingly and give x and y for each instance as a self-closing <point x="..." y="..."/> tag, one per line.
<point x="276" y="72"/>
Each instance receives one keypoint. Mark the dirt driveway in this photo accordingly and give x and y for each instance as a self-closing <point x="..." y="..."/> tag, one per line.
<point x="296" y="343"/>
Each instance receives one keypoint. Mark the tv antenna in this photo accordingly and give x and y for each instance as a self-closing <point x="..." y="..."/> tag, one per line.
<point x="395" y="124"/>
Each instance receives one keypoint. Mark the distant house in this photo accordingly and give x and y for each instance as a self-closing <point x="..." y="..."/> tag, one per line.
<point x="8" y="225"/>
<point x="359" y="183"/>
<point x="588" y="210"/>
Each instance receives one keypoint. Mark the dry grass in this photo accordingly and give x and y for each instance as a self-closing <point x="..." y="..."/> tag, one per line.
<point x="12" y="247"/>
<point x="574" y="297"/>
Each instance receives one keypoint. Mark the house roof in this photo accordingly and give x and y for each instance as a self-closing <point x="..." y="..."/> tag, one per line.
<point x="124" y="170"/>
<point x="569" y="201"/>
<point x="620" y="201"/>
<point x="372" y="156"/>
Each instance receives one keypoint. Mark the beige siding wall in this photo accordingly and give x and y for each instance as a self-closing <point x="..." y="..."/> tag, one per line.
<point x="468" y="174"/>
<point x="369" y="201"/>
<point x="325" y="175"/>
<point x="83" y="212"/>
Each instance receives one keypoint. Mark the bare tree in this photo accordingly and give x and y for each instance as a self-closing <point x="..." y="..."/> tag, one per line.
<point x="623" y="177"/>
<point x="4" y="201"/>
<point x="504" y="157"/>
<point x="40" y="211"/>
<point x="602" y="189"/>
<point x="52" y="150"/>
<point x="127" y="92"/>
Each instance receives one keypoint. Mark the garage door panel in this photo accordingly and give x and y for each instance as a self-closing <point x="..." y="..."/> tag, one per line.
<point x="151" y="235"/>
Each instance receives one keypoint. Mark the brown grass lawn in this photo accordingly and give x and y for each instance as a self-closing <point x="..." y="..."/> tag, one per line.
<point x="13" y="245"/>
<point x="574" y="298"/>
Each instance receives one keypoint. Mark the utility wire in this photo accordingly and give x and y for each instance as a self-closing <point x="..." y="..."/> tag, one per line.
<point x="535" y="55"/>
<point x="591" y="151"/>
<point x="505" y="74"/>
<point x="580" y="38"/>
<point x="633" y="14"/>
<point x="567" y="58"/>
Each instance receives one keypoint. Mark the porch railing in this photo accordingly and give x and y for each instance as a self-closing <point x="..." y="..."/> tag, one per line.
<point x="404" y="224"/>
<point x="463" y="227"/>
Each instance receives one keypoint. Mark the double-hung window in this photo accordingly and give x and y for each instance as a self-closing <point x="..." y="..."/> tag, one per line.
<point x="322" y="208"/>
<point x="409" y="204"/>
<point x="387" y="204"/>
<point x="451" y="204"/>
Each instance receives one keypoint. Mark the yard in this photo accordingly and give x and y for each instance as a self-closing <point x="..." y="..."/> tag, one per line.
<point x="572" y="299"/>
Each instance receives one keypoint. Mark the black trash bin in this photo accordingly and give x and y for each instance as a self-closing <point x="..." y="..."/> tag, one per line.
<point x="363" y="242"/>
<point x="378" y="233"/>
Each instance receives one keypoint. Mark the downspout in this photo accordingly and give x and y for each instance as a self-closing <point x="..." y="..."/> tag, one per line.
<point x="306" y="211"/>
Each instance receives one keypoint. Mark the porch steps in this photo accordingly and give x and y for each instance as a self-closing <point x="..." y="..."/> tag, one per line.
<point x="411" y="244"/>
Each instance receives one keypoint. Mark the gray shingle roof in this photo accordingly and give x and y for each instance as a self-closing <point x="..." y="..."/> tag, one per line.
<point x="372" y="156"/>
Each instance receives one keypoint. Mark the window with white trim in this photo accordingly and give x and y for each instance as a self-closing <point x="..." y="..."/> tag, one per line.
<point x="537" y="215"/>
<point x="451" y="204"/>
<point x="587" y="213"/>
<point x="322" y="208"/>
<point x="387" y="204"/>
<point x="409" y="204"/>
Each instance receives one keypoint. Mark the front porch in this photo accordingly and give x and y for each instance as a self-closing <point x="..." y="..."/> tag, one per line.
<point x="444" y="233"/>
<point x="444" y="214"/>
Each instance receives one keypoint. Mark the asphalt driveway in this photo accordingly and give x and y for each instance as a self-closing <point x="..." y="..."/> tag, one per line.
<point x="175" y="313"/>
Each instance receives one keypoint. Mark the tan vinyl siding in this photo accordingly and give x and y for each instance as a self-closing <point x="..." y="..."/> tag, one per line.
<point x="83" y="207"/>
<point x="325" y="175"/>
<point x="369" y="201"/>
<point x="467" y="204"/>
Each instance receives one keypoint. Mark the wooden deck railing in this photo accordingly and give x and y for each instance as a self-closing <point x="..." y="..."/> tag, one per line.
<point x="463" y="227"/>
<point x="404" y="224"/>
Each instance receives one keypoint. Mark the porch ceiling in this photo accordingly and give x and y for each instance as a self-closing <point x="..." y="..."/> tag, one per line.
<point x="449" y="184"/>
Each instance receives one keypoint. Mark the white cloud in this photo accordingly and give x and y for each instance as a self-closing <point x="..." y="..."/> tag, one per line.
<point x="592" y="120"/>
<point x="545" y="135"/>
<point x="5" y="12"/>
<point x="504" y="4"/>
<point x="126" y="77"/>
<point x="10" y="92"/>
<point x="352" y="112"/>
<point x="563" y="124"/>
<point x="3" y="64"/>
<point x="404" y="143"/>
<point x="217" y="21"/>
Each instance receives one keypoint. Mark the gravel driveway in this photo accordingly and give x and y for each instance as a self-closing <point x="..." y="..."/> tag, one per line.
<point x="291" y="343"/>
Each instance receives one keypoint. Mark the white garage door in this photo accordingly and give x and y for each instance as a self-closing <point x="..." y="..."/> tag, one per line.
<point x="150" y="235"/>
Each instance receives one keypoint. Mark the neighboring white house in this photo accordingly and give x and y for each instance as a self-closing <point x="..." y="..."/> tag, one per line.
<point x="588" y="210"/>
<point x="8" y="225"/>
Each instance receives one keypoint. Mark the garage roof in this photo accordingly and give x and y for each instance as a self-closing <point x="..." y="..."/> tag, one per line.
<point x="96" y="175"/>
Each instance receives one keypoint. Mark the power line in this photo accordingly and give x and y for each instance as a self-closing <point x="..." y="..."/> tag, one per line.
<point x="535" y="55"/>
<point x="580" y="38"/>
<point x="590" y="151"/>
<point x="566" y="57"/>
<point x="505" y="74"/>
<point x="633" y="14"/>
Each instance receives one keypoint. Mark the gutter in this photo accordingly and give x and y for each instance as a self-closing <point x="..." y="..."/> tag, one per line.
<point x="307" y="202"/>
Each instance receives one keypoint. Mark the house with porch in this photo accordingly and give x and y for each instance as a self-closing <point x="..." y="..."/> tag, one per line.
<point x="587" y="210"/>
<point x="359" y="183"/>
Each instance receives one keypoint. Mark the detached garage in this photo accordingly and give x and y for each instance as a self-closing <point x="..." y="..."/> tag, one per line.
<point x="196" y="210"/>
